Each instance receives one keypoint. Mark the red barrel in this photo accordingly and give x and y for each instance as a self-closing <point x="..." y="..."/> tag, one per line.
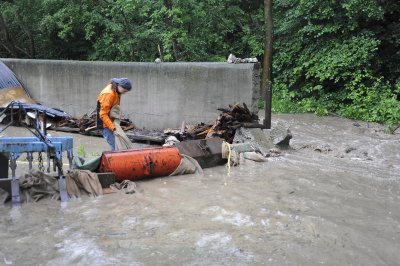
<point x="134" y="164"/>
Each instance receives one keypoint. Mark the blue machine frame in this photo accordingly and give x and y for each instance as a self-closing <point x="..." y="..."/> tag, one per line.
<point x="15" y="146"/>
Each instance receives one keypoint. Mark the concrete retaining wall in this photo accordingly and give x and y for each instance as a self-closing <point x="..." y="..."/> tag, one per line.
<point x="163" y="95"/>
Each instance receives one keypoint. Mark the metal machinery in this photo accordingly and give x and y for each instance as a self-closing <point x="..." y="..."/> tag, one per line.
<point x="13" y="147"/>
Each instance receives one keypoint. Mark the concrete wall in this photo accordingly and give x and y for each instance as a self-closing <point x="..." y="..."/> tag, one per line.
<point x="163" y="95"/>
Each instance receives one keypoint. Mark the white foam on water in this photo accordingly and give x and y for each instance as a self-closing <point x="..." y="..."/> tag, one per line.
<point x="235" y="218"/>
<point x="215" y="241"/>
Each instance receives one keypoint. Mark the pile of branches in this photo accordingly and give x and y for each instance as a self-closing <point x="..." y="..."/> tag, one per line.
<point x="231" y="118"/>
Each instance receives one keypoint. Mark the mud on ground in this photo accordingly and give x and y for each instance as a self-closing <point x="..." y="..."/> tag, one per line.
<point x="332" y="199"/>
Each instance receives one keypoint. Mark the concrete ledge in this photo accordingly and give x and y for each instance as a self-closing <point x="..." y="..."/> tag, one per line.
<point x="163" y="95"/>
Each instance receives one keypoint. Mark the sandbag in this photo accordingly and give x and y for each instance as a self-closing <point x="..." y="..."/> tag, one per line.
<point x="254" y="156"/>
<point x="126" y="186"/>
<point x="188" y="165"/>
<point x="233" y="151"/>
<point x="80" y="182"/>
<point x="122" y="142"/>
<point x="229" y="153"/>
<point x="37" y="185"/>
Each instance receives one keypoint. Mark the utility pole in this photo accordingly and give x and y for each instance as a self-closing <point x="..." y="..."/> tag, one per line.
<point x="266" y="81"/>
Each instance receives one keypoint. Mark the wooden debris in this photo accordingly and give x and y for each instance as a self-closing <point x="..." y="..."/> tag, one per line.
<point x="232" y="118"/>
<point x="87" y="123"/>
<point x="90" y="128"/>
<point x="147" y="136"/>
<point x="191" y="132"/>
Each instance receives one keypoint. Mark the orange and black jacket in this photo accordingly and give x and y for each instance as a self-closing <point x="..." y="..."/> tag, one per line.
<point x="106" y="100"/>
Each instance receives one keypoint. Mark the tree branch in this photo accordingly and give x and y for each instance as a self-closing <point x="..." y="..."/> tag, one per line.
<point x="6" y="39"/>
<point x="32" y="48"/>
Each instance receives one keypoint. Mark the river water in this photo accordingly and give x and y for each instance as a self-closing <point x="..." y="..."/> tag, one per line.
<point x="333" y="198"/>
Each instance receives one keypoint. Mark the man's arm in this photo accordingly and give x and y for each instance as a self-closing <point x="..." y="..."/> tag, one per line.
<point x="105" y="106"/>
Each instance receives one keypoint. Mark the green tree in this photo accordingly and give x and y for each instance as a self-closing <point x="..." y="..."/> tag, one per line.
<point x="19" y="34"/>
<point x="329" y="57"/>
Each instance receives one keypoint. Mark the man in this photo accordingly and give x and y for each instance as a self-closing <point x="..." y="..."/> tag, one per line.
<point x="109" y="97"/>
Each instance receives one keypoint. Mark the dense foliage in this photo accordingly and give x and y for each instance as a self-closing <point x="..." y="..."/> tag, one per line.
<point x="329" y="56"/>
<point x="338" y="56"/>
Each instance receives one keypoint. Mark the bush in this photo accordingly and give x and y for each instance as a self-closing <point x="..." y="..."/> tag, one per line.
<point x="375" y="103"/>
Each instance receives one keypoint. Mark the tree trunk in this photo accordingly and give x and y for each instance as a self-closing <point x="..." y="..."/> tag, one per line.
<point x="266" y="82"/>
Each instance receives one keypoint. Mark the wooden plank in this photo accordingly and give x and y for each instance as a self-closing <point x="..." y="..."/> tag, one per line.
<point x="65" y="129"/>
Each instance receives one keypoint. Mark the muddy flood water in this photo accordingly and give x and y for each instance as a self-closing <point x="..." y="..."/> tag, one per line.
<point x="332" y="199"/>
